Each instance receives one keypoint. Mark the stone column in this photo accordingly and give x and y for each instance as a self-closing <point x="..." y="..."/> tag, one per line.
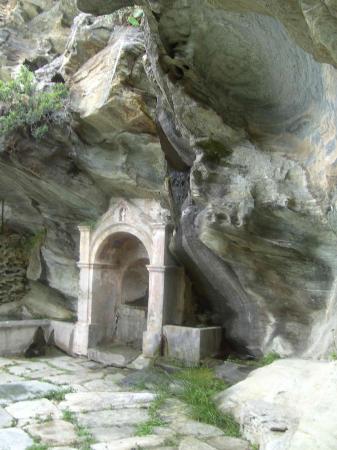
<point x="153" y="335"/>
<point x="81" y="335"/>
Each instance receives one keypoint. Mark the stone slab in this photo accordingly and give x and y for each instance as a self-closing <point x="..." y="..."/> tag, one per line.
<point x="110" y="418"/>
<point x="190" y="443"/>
<point x="140" y="363"/>
<point x="79" y="377"/>
<point x="228" y="443"/>
<point x="194" y="428"/>
<point x="6" y="420"/>
<point x="27" y="368"/>
<point x="35" y="408"/>
<point x="96" y="401"/>
<point x="25" y="390"/>
<point x="103" y="434"/>
<point x="54" y="432"/>
<point x="14" y="439"/>
<point x="101" y="386"/>
<point x="114" y="355"/>
<point x="145" y="442"/>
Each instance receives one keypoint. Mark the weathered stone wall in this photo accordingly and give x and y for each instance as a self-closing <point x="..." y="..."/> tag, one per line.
<point x="13" y="266"/>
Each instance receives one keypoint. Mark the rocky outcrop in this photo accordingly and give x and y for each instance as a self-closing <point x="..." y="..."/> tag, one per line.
<point x="225" y="111"/>
<point x="286" y="405"/>
<point x="247" y="107"/>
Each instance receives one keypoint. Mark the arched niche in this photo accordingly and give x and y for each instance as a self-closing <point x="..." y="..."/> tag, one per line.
<point x="129" y="284"/>
<point x="120" y="287"/>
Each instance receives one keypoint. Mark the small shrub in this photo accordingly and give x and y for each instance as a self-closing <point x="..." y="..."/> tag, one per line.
<point x="136" y="17"/>
<point x="25" y="107"/>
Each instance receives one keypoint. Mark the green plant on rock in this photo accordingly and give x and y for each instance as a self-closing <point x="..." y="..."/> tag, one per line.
<point x="135" y="18"/>
<point x="23" y="106"/>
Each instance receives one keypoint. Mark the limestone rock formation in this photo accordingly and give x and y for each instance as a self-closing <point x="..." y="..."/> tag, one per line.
<point x="247" y="107"/>
<point x="222" y="109"/>
<point x="286" y="405"/>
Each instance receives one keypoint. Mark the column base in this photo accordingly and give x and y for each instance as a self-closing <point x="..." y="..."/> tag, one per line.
<point x="152" y="343"/>
<point x="81" y="338"/>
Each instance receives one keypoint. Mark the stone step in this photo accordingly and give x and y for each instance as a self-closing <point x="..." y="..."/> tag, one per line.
<point x="116" y="355"/>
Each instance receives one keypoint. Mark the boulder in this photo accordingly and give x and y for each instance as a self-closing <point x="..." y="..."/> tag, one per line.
<point x="288" y="405"/>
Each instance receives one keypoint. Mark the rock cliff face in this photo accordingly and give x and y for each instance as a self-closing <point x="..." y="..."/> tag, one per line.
<point x="231" y="101"/>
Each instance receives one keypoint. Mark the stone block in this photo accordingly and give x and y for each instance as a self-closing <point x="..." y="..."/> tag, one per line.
<point x="63" y="334"/>
<point x="14" y="439"/>
<point x="113" y="355"/>
<point x="190" y="344"/>
<point x="17" y="335"/>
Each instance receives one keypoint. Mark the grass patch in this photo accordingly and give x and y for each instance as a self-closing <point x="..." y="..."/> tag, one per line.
<point x="269" y="358"/>
<point x="38" y="446"/>
<point x="146" y="428"/>
<point x="84" y="435"/>
<point x="58" y="395"/>
<point x="198" y="389"/>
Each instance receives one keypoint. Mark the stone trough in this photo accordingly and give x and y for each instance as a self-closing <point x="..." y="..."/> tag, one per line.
<point x="17" y="335"/>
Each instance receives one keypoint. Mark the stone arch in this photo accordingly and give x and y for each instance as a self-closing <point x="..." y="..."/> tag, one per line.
<point x="103" y="233"/>
<point x="137" y="224"/>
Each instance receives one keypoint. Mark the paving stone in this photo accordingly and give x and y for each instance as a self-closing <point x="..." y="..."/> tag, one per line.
<point x="66" y="363"/>
<point x="190" y="443"/>
<point x="45" y="374"/>
<point x="102" y="386"/>
<point x="145" y="442"/>
<point x="14" y="439"/>
<point x="115" y="377"/>
<point x="63" y="448"/>
<point x="141" y="363"/>
<point x="35" y="408"/>
<point x="90" y="364"/>
<point x="173" y="410"/>
<point x="228" y="443"/>
<point x="95" y="401"/>
<point x="54" y="432"/>
<point x="81" y="376"/>
<point x="113" y="355"/>
<point x="117" y="417"/>
<point x="146" y="377"/>
<point x="6" y="378"/>
<point x="103" y="434"/>
<point x="25" y="390"/>
<point x="6" y="420"/>
<point x="194" y="428"/>
<point x="27" y="368"/>
<point x="4" y="362"/>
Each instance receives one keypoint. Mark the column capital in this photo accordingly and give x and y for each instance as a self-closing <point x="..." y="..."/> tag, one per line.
<point x="84" y="228"/>
<point x="154" y="268"/>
